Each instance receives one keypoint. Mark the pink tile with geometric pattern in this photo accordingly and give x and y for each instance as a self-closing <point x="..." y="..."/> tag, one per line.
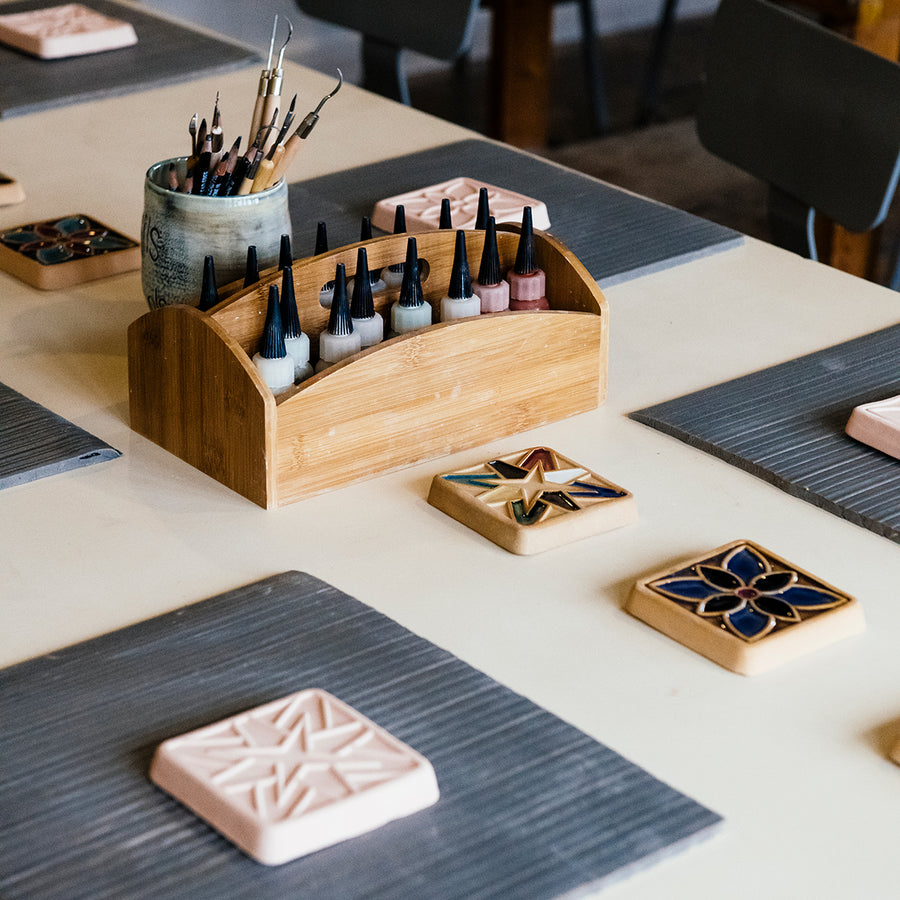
<point x="294" y="776"/>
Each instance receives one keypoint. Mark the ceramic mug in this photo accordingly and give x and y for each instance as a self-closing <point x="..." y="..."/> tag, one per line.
<point x="179" y="230"/>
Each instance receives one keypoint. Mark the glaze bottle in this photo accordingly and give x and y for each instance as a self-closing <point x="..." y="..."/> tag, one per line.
<point x="339" y="340"/>
<point x="527" y="282"/>
<point x="296" y="343"/>
<point x="367" y="323"/>
<point x="460" y="302"/>
<point x="272" y="360"/>
<point x="410" y="312"/>
<point x="490" y="286"/>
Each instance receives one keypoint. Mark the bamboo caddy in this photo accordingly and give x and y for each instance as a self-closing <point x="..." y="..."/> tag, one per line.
<point x="194" y="390"/>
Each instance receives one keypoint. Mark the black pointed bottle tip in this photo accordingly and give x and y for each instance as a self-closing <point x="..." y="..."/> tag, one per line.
<point x="321" y="239"/>
<point x="484" y="210"/>
<point x="251" y="272"/>
<point x="273" y="333"/>
<point x="209" y="293"/>
<point x="460" y="278"/>
<point x="446" y="220"/>
<point x="290" y="320"/>
<point x="411" y="289"/>
<point x="339" y="318"/>
<point x="489" y="273"/>
<point x="365" y="229"/>
<point x="285" y="256"/>
<point x="526" y="262"/>
<point x="400" y="219"/>
<point x="362" y="306"/>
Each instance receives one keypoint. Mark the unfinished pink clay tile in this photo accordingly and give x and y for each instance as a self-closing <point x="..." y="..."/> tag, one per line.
<point x="878" y="425"/>
<point x="294" y="775"/>
<point x="423" y="207"/>
<point x="59" y="31"/>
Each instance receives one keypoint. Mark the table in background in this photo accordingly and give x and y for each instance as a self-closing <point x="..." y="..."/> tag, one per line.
<point x="791" y="759"/>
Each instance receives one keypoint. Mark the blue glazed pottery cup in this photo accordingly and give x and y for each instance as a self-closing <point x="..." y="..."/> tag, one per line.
<point x="179" y="230"/>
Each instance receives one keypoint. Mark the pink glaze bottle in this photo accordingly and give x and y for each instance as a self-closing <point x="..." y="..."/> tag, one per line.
<point x="491" y="288"/>
<point x="527" y="283"/>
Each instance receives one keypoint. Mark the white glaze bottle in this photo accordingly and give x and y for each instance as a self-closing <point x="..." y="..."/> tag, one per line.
<point x="326" y="292"/>
<point x="296" y="343"/>
<point x="340" y="340"/>
<point x="410" y="312"/>
<point x="367" y="323"/>
<point x="460" y="302"/>
<point x="272" y="360"/>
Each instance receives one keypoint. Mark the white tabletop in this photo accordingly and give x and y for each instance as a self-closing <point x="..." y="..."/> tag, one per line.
<point x="794" y="760"/>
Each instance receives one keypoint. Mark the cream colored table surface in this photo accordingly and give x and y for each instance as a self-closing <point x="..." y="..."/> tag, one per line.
<point x="794" y="760"/>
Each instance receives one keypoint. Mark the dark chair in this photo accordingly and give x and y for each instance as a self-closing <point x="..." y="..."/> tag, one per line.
<point x="436" y="28"/>
<point x="808" y="112"/>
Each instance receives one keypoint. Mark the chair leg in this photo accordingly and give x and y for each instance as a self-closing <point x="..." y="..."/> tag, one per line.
<point x="383" y="70"/>
<point x="648" y="99"/>
<point x="791" y="223"/>
<point x="593" y="67"/>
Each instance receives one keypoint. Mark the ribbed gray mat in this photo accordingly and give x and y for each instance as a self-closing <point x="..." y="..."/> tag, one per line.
<point x="35" y="442"/>
<point x="166" y="53"/>
<point x="786" y="425"/>
<point x="615" y="234"/>
<point x="530" y="807"/>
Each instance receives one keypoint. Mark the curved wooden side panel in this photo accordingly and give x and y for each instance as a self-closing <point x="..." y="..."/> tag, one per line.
<point x="194" y="391"/>
<point x="428" y="394"/>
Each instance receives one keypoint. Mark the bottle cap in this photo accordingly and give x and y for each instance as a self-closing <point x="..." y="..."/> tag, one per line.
<point x="209" y="293"/>
<point x="411" y="289"/>
<point x="484" y="210"/>
<point x="321" y="239"/>
<point x="285" y="257"/>
<point x="290" y="320"/>
<point x="526" y="263"/>
<point x="460" y="279"/>
<point x="251" y="272"/>
<point x="362" y="306"/>
<point x="489" y="273"/>
<point x="446" y="220"/>
<point x="272" y="346"/>
<point x="339" y="320"/>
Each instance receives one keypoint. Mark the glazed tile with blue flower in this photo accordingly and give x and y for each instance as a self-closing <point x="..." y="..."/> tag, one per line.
<point x="532" y="500"/>
<point x="745" y="608"/>
<point x="66" y="250"/>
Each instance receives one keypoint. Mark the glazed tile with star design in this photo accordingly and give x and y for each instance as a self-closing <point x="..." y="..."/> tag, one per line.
<point x="745" y="608"/>
<point x="532" y="500"/>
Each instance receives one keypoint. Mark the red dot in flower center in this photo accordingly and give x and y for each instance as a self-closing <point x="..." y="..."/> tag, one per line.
<point x="747" y="593"/>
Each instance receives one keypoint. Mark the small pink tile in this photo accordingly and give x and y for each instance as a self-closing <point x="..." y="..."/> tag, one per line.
<point x="878" y="425"/>
<point x="294" y="775"/>
<point x="423" y="207"/>
<point x="59" y="31"/>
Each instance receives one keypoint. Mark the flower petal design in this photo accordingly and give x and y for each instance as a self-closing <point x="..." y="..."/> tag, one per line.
<point x="775" y="606"/>
<point x="749" y="623"/>
<point x="719" y="577"/>
<point x="686" y="588"/>
<point x="772" y="582"/>
<point x="70" y="225"/>
<point x="56" y="253"/>
<point x="719" y="604"/>
<point x="745" y="563"/>
<point x="805" y="595"/>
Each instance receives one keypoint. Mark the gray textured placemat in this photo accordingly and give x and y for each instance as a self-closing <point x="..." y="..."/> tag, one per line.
<point x="35" y="442"/>
<point x="786" y="425"/>
<point x="616" y="235"/>
<point x="530" y="807"/>
<point x="166" y="53"/>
